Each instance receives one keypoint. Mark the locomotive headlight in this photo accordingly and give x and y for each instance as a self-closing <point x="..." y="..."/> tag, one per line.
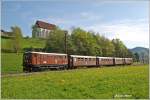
<point x="44" y="62"/>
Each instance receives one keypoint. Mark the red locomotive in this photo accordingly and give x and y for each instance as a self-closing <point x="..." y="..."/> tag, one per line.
<point x="35" y="61"/>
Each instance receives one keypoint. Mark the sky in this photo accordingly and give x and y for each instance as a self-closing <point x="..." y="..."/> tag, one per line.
<point x="127" y="20"/>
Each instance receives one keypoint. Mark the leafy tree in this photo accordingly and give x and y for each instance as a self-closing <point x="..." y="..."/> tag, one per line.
<point x="56" y="41"/>
<point x="70" y="45"/>
<point x="35" y="30"/>
<point x="136" y="56"/>
<point x="130" y="54"/>
<point x="105" y="45"/>
<point x="84" y="42"/>
<point x="120" y="49"/>
<point x="17" y="37"/>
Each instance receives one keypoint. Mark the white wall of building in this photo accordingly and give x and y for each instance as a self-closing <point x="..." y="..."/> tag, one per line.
<point x="43" y="33"/>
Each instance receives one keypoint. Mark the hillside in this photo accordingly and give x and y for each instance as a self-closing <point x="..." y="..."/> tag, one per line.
<point x="6" y="43"/>
<point x="140" y="50"/>
<point x="143" y="54"/>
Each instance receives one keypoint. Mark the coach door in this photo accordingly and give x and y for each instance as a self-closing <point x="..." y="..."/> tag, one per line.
<point x="38" y="59"/>
<point x="97" y="61"/>
<point x="70" y="61"/>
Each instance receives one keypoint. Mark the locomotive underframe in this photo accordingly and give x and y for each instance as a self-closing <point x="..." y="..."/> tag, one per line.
<point x="41" y="67"/>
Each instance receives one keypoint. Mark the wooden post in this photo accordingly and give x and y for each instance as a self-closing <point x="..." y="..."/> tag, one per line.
<point x="65" y="32"/>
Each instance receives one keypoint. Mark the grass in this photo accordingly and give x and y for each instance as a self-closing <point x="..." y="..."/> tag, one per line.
<point x="11" y="62"/>
<point x="107" y="82"/>
<point x="34" y="43"/>
<point x="25" y="43"/>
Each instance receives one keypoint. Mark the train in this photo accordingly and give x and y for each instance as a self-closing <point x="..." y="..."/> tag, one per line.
<point x="39" y="61"/>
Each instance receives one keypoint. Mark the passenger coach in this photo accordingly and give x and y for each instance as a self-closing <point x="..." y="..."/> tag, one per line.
<point x="77" y="61"/>
<point x="104" y="61"/>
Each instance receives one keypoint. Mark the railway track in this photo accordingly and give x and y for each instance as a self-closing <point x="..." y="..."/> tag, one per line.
<point x="20" y="74"/>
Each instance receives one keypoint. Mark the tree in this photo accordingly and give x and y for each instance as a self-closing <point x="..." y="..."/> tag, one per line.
<point x="136" y="57"/>
<point x="56" y="41"/>
<point x="105" y="46"/>
<point x="84" y="42"/>
<point x="35" y="30"/>
<point x="120" y="49"/>
<point x="17" y="36"/>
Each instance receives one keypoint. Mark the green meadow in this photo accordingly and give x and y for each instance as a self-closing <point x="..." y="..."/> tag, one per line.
<point x="91" y="83"/>
<point x="11" y="62"/>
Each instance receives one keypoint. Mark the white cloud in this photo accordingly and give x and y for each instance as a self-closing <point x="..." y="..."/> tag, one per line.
<point x="89" y="16"/>
<point x="134" y="31"/>
<point x="73" y="19"/>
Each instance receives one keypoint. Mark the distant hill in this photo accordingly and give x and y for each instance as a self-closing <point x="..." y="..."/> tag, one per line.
<point x="143" y="53"/>
<point x="140" y="50"/>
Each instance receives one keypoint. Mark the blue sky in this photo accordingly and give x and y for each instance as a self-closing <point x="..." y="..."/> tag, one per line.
<point x="124" y="19"/>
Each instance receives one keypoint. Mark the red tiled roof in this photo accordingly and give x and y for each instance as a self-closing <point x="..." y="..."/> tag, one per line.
<point x="45" y="25"/>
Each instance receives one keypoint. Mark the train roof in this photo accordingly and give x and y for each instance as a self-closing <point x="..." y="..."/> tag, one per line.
<point x="80" y="56"/>
<point x="106" y="57"/>
<point x="118" y="58"/>
<point x="128" y="58"/>
<point x="47" y="53"/>
<point x="122" y="58"/>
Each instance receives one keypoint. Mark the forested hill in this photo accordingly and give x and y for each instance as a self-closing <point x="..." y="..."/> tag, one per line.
<point x="141" y="53"/>
<point x="139" y="50"/>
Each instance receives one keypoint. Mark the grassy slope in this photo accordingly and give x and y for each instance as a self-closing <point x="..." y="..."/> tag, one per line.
<point x="5" y="43"/>
<point x="25" y="43"/>
<point x="35" y="43"/>
<point x="81" y="83"/>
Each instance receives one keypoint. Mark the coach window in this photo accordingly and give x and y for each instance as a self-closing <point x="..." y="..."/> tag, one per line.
<point x="86" y="59"/>
<point x="75" y="59"/>
<point x="78" y="59"/>
<point x="82" y="59"/>
<point x="89" y="59"/>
